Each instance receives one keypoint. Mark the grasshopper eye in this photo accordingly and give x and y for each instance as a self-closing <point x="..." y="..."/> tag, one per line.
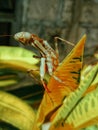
<point x="26" y="35"/>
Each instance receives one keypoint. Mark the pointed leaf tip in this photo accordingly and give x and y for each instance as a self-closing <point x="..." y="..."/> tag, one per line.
<point x="84" y="36"/>
<point x="83" y="39"/>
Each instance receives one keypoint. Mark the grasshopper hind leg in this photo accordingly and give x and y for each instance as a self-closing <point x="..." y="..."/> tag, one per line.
<point x="45" y="86"/>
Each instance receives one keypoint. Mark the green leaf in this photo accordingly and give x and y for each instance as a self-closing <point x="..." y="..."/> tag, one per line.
<point x="17" y="53"/>
<point x="16" y="112"/>
<point x="86" y="112"/>
<point x="14" y="60"/>
<point x="96" y="55"/>
<point x="8" y="82"/>
<point x="17" y="58"/>
<point x="94" y="127"/>
<point x="71" y="101"/>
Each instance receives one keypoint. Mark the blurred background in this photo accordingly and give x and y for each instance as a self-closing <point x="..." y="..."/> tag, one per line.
<point x="68" y="19"/>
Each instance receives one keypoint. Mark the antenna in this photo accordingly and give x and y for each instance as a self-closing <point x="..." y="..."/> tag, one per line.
<point x="6" y="35"/>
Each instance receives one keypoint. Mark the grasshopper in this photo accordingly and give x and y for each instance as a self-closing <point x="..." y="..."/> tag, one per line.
<point x="49" y="58"/>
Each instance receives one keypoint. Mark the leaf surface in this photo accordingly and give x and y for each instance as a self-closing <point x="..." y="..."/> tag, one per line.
<point x="17" y="58"/>
<point x="16" y="112"/>
<point x="71" y="102"/>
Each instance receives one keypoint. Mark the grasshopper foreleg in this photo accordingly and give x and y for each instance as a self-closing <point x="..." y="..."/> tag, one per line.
<point x="42" y="72"/>
<point x="31" y="73"/>
<point x="37" y="57"/>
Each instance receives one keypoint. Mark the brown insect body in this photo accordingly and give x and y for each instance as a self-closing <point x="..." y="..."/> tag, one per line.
<point x="49" y="57"/>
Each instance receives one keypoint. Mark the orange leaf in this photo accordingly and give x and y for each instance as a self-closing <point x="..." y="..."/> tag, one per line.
<point x="69" y="73"/>
<point x="64" y="127"/>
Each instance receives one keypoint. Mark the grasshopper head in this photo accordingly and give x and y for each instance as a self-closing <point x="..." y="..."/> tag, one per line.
<point x="23" y="37"/>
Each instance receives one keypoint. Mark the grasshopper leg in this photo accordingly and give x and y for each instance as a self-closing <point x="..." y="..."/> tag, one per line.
<point x="42" y="73"/>
<point x="63" y="40"/>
